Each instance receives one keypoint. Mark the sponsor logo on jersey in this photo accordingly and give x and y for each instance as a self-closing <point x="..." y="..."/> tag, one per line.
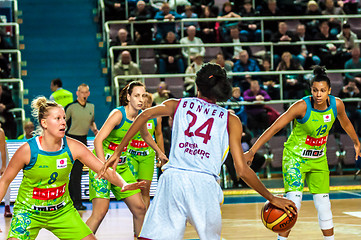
<point x="61" y="163"/>
<point x="327" y="118"/>
<point x="316" y="141"/>
<point x="138" y="144"/>
<point x="310" y="153"/>
<point x="48" y="208"/>
<point x="149" y="125"/>
<point x="48" y="193"/>
<point x="43" y="166"/>
<point x="192" y="149"/>
<point x="113" y="146"/>
<point x="138" y="153"/>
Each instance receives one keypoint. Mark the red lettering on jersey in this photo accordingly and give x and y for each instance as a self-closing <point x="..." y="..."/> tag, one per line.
<point x="316" y="141"/>
<point x="138" y="144"/>
<point x="48" y="193"/>
<point x="113" y="146"/>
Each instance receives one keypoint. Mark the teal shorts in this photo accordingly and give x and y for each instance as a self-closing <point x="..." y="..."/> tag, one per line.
<point x="100" y="188"/>
<point x="142" y="167"/>
<point x="298" y="169"/>
<point x="64" y="223"/>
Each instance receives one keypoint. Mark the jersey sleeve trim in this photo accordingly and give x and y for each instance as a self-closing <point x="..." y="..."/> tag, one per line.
<point x="34" y="151"/>
<point x="308" y="110"/>
<point x="124" y="116"/>
<point x="333" y="105"/>
<point x="67" y="149"/>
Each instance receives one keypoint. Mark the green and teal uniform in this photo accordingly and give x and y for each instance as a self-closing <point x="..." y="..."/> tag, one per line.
<point x="304" y="155"/>
<point x="43" y="200"/>
<point x="100" y="188"/>
<point x="141" y="156"/>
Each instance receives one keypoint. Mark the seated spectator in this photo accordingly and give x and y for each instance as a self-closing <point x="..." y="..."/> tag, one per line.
<point x="312" y="24"/>
<point x="305" y="57"/>
<point x="238" y="109"/>
<point x="334" y="23"/>
<point x="257" y="113"/>
<point x="162" y="94"/>
<point x="250" y="29"/>
<point x="114" y="10"/>
<point x="270" y="26"/>
<point x="244" y="64"/>
<point x="283" y="35"/>
<point x="350" y="90"/>
<point x="329" y="53"/>
<point x="167" y="25"/>
<point x="349" y="37"/>
<point x="293" y="85"/>
<point x="6" y="117"/>
<point x="190" y="82"/>
<point x="190" y="39"/>
<point x="227" y="12"/>
<point x="122" y="39"/>
<point x="170" y="60"/>
<point x="188" y="13"/>
<point x="354" y="63"/>
<point x="208" y="29"/>
<point x="28" y="131"/>
<point x="270" y="82"/>
<point x="125" y="66"/>
<point x="142" y="32"/>
<point x="232" y="53"/>
<point x="226" y="64"/>
<point x="201" y="5"/>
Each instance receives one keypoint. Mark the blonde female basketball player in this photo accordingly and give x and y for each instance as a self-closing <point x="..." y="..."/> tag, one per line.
<point x="304" y="155"/>
<point x="202" y="133"/>
<point x="46" y="160"/>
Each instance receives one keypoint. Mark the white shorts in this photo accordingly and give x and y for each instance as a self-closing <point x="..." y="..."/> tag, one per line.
<point x="184" y="196"/>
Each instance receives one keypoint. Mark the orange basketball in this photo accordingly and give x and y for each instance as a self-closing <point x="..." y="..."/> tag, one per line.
<point x="276" y="219"/>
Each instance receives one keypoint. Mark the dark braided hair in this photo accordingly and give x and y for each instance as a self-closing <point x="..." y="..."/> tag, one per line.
<point x="212" y="82"/>
<point x="128" y="89"/>
<point x="320" y="75"/>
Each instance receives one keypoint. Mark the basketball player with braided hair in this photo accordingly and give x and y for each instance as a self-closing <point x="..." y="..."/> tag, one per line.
<point x="201" y="137"/>
<point x="304" y="154"/>
<point x="43" y="200"/>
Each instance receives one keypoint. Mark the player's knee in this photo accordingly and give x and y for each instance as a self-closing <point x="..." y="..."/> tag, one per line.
<point x="295" y="197"/>
<point x="323" y="206"/>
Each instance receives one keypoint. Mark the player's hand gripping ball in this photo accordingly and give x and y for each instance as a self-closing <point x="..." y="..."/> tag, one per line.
<point x="276" y="219"/>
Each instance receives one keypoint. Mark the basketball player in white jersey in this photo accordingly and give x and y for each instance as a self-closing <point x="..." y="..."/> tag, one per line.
<point x="202" y="134"/>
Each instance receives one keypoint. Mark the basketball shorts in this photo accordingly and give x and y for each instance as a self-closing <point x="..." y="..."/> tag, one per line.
<point x="296" y="170"/>
<point x="100" y="188"/>
<point x="142" y="167"/>
<point x="184" y="196"/>
<point x="64" y="223"/>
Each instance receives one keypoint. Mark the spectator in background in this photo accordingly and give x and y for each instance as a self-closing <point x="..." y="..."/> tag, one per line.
<point x="334" y="23"/>
<point x="189" y="82"/>
<point x="349" y="6"/>
<point x="191" y="39"/>
<point x="227" y="12"/>
<point x="349" y="37"/>
<point x="28" y="131"/>
<point x="250" y="29"/>
<point x="167" y="25"/>
<point x="142" y="32"/>
<point x="188" y="13"/>
<point x="270" y="82"/>
<point x="354" y="63"/>
<point x="178" y="5"/>
<point x="208" y="29"/>
<point x="114" y="9"/>
<point x="157" y="4"/>
<point x="170" y="60"/>
<point x="79" y="118"/>
<point x="305" y="57"/>
<point x="257" y="114"/>
<point x="238" y="109"/>
<point x="60" y="95"/>
<point x="232" y="53"/>
<point x="244" y="64"/>
<point x="226" y="64"/>
<point x="293" y="85"/>
<point x="350" y="90"/>
<point x="312" y="24"/>
<point x="122" y="39"/>
<point x="201" y="5"/>
<point x="125" y="66"/>
<point x="270" y="26"/>
<point x="5" y="69"/>
<point x="162" y="93"/>
<point x="6" y="117"/>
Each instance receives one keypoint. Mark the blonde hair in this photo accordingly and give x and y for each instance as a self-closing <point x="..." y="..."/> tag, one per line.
<point x="40" y="110"/>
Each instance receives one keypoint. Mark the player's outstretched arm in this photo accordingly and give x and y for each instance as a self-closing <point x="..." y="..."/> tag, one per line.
<point x="245" y="172"/>
<point x="81" y="152"/>
<point x="347" y="126"/>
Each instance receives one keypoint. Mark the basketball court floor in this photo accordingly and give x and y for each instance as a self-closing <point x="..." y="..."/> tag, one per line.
<point x="241" y="217"/>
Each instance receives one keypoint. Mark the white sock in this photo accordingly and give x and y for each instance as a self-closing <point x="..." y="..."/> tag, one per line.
<point x="329" y="237"/>
<point x="281" y="238"/>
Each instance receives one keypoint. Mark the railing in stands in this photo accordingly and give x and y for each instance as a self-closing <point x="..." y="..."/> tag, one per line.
<point x="16" y="73"/>
<point x="12" y="31"/>
<point x="17" y="90"/>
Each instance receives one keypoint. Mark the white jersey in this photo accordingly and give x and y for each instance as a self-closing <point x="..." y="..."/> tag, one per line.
<point x="200" y="140"/>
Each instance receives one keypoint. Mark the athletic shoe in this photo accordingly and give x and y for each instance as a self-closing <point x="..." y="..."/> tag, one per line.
<point x="7" y="212"/>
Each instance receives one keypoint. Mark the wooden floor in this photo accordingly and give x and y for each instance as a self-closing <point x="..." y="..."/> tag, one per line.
<point x="240" y="221"/>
